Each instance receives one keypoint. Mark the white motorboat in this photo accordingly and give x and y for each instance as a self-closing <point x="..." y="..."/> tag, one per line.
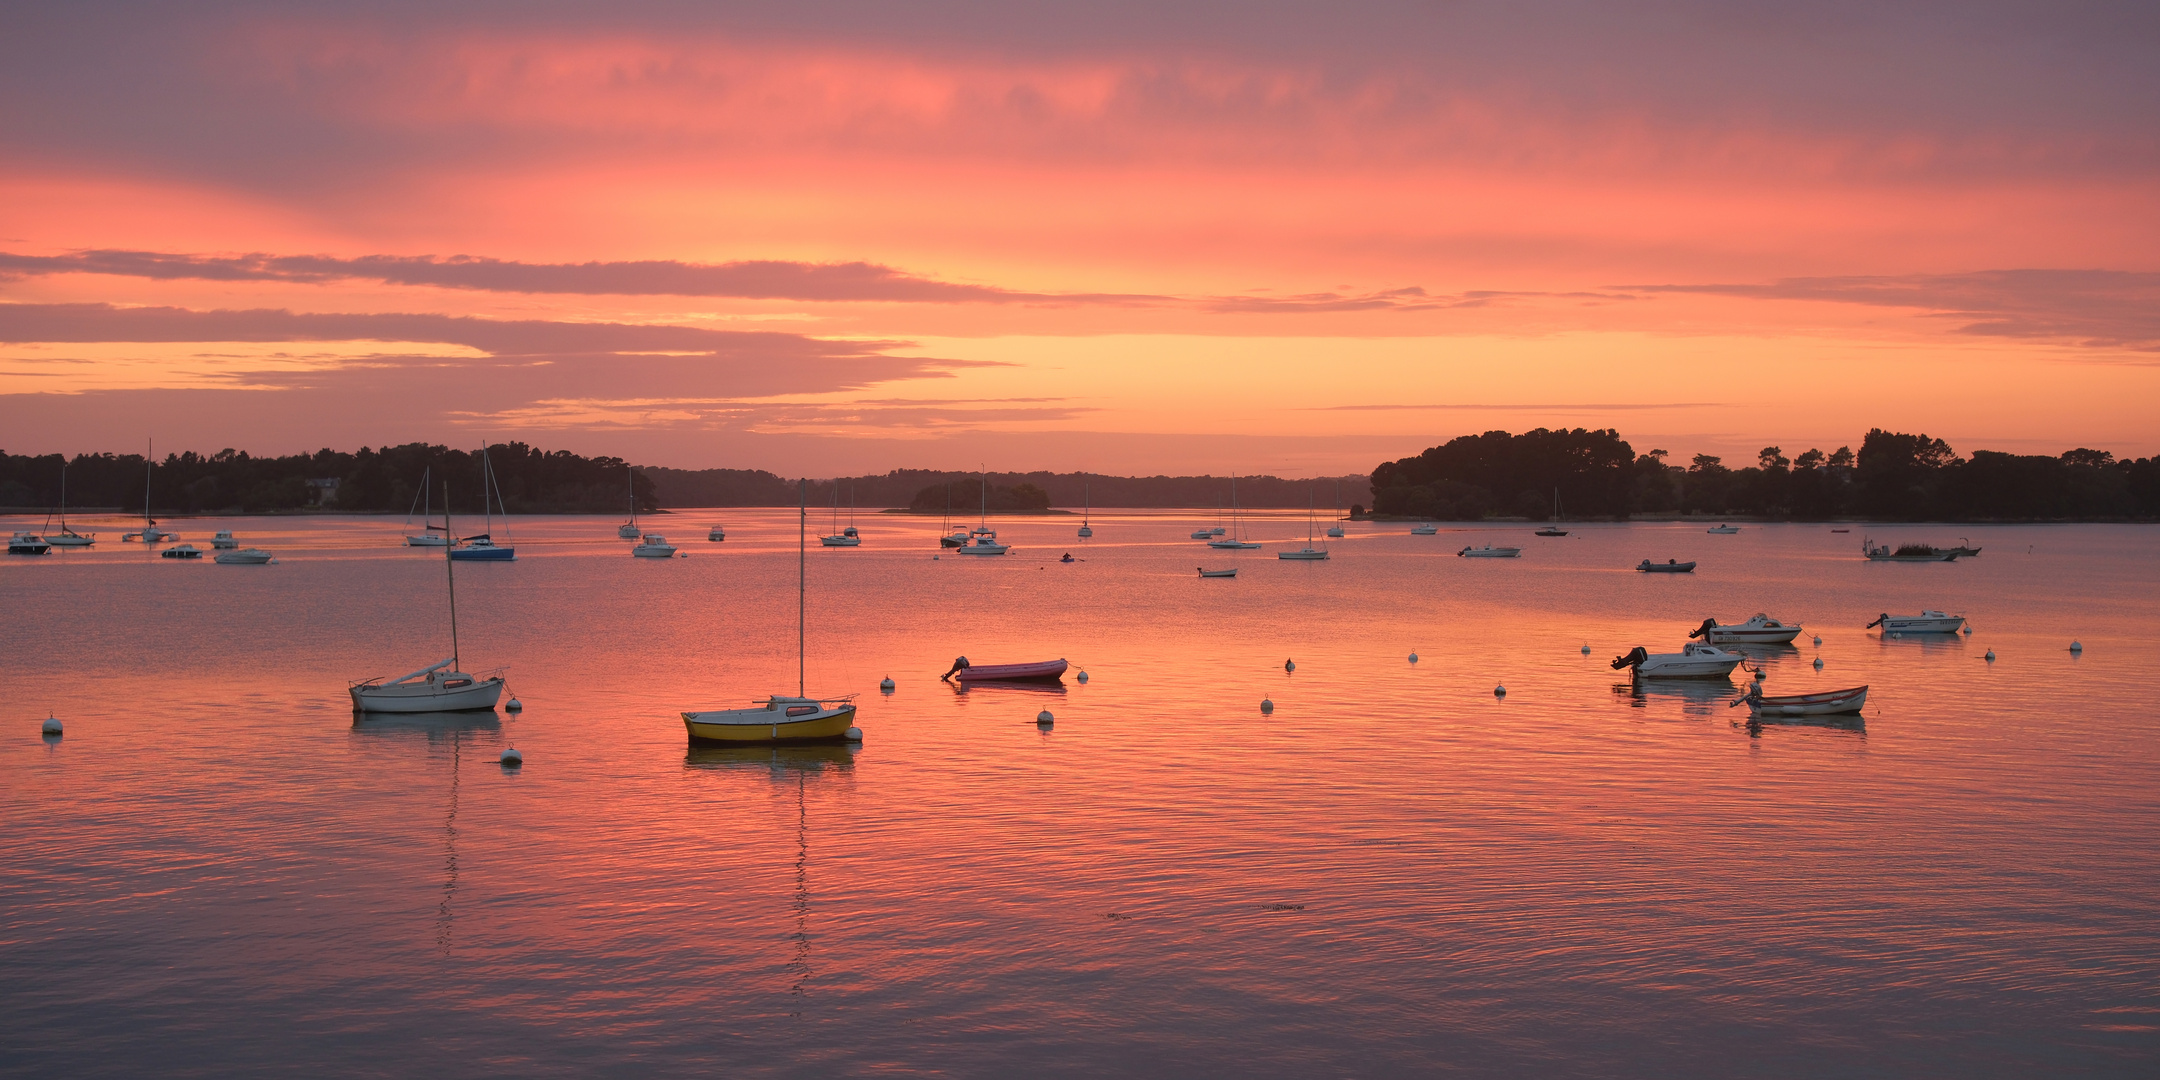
<point x="1693" y="661"/>
<point x="27" y="543"/>
<point x="984" y="538"/>
<point x="1722" y="530"/>
<point x="184" y="551"/>
<point x="780" y="718"/>
<point x="654" y="546"/>
<point x="716" y="534"/>
<point x="1760" y="629"/>
<point x="430" y="534"/>
<point x="243" y="557"/>
<point x="1426" y="529"/>
<point x="223" y="540"/>
<point x="1202" y="534"/>
<point x="1927" y="622"/>
<point x="1087" y="512"/>
<point x="1489" y="552"/>
<point x="441" y="686"/>
<point x="66" y="537"/>
<point x="1216" y="531"/>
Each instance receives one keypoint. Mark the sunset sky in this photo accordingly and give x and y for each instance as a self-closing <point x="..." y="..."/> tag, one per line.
<point x="1122" y="237"/>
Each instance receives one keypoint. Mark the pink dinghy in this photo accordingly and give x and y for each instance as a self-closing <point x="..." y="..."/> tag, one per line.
<point x="1039" y="671"/>
<point x="1830" y="703"/>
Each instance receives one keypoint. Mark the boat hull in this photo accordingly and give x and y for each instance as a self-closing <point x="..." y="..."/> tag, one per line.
<point x="244" y="557"/>
<point x="1040" y="671"/>
<point x="487" y="554"/>
<point x="1721" y="636"/>
<point x="654" y="551"/>
<point x="840" y="541"/>
<point x="738" y="727"/>
<point x="1490" y="553"/>
<point x="25" y="547"/>
<point x="1232" y="545"/>
<point x="1945" y="625"/>
<point x="1302" y="556"/>
<point x="427" y="541"/>
<point x="1648" y="567"/>
<point x="71" y="541"/>
<point x="1205" y="572"/>
<point x="1828" y="703"/>
<point x="979" y="548"/>
<point x="1686" y="669"/>
<point x="424" y="698"/>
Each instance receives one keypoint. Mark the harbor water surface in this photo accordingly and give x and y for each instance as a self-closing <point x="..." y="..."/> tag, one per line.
<point x="218" y="871"/>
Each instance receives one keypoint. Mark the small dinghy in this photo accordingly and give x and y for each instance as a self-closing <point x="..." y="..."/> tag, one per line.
<point x="1489" y="552"/>
<point x="1723" y="530"/>
<point x="1927" y="622"/>
<point x="1424" y="530"/>
<point x="1039" y="671"/>
<point x="1761" y="629"/>
<point x="1827" y="703"/>
<point x="243" y="557"/>
<point x="1205" y="572"/>
<point x="1693" y="661"/>
<point x="1667" y="567"/>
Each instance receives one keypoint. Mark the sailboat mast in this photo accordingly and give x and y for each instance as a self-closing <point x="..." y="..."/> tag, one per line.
<point x="802" y="573"/>
<point x="450" y="575"/>
<point x="149" y="455"/>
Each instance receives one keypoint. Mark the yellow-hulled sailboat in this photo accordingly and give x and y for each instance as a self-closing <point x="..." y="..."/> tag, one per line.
<point x="782" y="719"/>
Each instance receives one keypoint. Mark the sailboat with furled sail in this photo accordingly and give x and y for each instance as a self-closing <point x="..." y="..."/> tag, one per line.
<point x="782" y="719"/>
<point x="150" y="533"/>
<point x="439" y="687"/>
<point x="67" y="537"/>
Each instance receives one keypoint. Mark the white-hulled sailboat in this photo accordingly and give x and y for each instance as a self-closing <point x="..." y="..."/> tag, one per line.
<point x="150" y="533"/>
<point x="67" y="537"/>
<point x="1309" y="553"/>
<point x="985" y="538"/>
<point x="629" y="530"/>
<point x="781" y="719"/>
<point x="1236" y="540"/>
<point x="438" y="687"/>
<point x="1087" y="508"/>
<point x="430" y="535"/>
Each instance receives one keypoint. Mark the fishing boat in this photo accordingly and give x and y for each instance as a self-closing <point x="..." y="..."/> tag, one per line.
<point x="184" y="551"/>
<point x="983" y="538"/>
<point x="1488" y="551"/>
<point x="1827" y="703"/>
<point x="779" y="718"/>
<point x="1309" y="553"/>
<point x="483" y="548"/>
<point x="653" y="546"/>
<point x="1693" y="661"/>
<point x="1927" y="622"/>
<point x="629" y="530"/>
<point x="1905" y="552"/>
<point x="1235" y="540"/>
<point x="150" y="533"/>
<point x="443" y="686"/>
<point x="1202" y="534"/>
<point x="716" y="534"/>
<point x="1205" y="572"/>
<point x="1553" y="530"/>
<point x="27" y="543"/>
<point x="1964" y="550"/>
<point x="1038" y="671"/>
<point x="1426" y="529"/>
<point x="66" y="537"/>
<point x="1722" y="530"/>
<point x="1669" y="566"/>
<point x="842" y="537"/>
<point x="1760" y="629"/>
<point x="224" y="540"/>
<point x="431" y="534"/>
<point x="243" y="557"/>
<point x="1087" y="511"/>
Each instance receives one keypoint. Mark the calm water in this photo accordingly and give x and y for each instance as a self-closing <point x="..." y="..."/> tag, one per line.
<point x="218" y="872"/>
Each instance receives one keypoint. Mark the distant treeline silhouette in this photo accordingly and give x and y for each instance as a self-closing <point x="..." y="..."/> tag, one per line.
<point x="1894" y="477"/>
<point x="907" y="488"/>
<point x="532" y="480"/>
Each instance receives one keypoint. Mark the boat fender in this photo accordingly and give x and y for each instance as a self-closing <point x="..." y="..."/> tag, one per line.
<point x="1631" y="659"/>
<point x="1044" y="719"/>
<point x="854" y="734"/>
<point x="511" y="758"/>
<point x="958" y="665"/>
<point x="51" y="727"/>
<point x="1267" y="705"/>
<point x="886" y="685"/>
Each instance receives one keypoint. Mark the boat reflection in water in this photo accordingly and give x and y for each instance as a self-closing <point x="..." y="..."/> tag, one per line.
<point x="1851" y="723"/>
<point x="787" y="767"/>
<point x="1696" y="696"/>
<point x="455" y="729"/>
<point x="962" y="688"/>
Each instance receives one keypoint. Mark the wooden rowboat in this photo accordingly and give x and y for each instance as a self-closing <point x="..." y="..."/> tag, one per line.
<point x="1039" y="671"/>
<point x="1827" y="703"/>
<point x="1205" y="572"/>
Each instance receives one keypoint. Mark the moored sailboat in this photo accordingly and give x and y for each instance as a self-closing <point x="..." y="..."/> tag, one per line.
<point x="483" y="548"/>
<point x="442" y="686"/>
<point x="67" y="537"/>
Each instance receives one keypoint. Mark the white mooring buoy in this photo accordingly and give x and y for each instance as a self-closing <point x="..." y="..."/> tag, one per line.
<point x="1968" y="628"/>
<point x="1818" y="663"/>
<point x="1818" y="639"/>
<point x="52" y="726"/>
<point x="1082" y="677"/>
<point x="1266" y="705"/>
<point x="887" y="685"/>
<point x="854" y="734"/>
<point x="1758" y="675"/>
<point x="1499" y="691"/>
<point x="1586" y="650"/>
<point x="1044" y="719"/>
<point x="1289" y="665"/>
<point x="1413" y="658"/>
<point x="515" y="705"/>
<point x="511" y="757"/>
<point x="1990" y="657"/>
<point x="2075" y="647"/>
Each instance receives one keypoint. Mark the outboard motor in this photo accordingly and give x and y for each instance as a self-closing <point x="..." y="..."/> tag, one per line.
<point x="1703" y="631"/>
<point x="960" y="664"/>
<point x="1632" y="659"/>
<point x="1877" y="622"/>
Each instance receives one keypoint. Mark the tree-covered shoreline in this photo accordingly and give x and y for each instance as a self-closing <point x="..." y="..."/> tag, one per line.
<point x="1894" y="476"/>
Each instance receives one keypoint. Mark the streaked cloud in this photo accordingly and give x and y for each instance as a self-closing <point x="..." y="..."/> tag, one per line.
<point x="2095" y="308"/>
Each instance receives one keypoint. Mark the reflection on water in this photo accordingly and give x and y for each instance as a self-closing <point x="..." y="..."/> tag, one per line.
<point x="1395" y="869"/>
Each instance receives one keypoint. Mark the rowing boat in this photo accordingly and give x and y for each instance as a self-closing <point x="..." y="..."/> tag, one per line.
<point x="1827" y="703"/>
